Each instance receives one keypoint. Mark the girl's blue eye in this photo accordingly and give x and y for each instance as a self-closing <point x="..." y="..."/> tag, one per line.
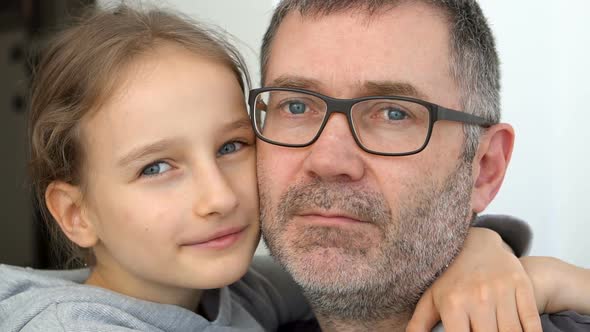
<point x="156" y="168"/>
<point x="229" y="147"/>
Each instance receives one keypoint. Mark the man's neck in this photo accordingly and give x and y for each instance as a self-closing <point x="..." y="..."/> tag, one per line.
<point x="370" y="309"/>
<point x="395" y="323"/>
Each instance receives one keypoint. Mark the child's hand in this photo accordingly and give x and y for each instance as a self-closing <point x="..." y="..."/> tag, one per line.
<point x="485" y="289"/>
<point x="559" y="286"/>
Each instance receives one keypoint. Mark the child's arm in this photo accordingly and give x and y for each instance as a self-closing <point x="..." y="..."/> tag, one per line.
<point x="559" y="286"/>
<point x="484" y="289"/>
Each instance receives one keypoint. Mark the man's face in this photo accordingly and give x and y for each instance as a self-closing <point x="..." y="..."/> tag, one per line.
<point x="345" y="221"/>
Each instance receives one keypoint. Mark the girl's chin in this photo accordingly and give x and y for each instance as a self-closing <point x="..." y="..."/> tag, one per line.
<point x="221" y="275"/>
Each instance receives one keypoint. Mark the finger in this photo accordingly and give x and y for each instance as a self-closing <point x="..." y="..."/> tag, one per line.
<point x="482" y="317"/>
<point x="454" y="313"/>
<point x="507" y="313"/>
<point x="425" y="316"/>
<point x="455" y="320"/>
<point x="527" y="308"/>
<point x="483" y="320"/>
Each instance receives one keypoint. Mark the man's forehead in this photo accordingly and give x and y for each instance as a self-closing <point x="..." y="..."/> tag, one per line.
<point x="364" y="11"/>
<point x="402" y="52"/>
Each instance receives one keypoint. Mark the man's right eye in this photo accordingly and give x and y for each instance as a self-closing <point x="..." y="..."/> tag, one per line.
<point x="297" y="107"/>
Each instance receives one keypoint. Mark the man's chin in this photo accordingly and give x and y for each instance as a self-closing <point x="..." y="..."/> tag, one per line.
<point x="352" y="239"/>
<point x="328" y="267"/>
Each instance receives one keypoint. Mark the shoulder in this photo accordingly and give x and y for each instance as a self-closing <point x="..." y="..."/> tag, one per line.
<point x="565" y="321"/>
<point x="265" y="281"/>
<point x="19" y="282"/>
<point x="269" y="293"/>
<point x="30" y="300"/>
<point x="16" y="279"/>
<point x="515" y="232"/>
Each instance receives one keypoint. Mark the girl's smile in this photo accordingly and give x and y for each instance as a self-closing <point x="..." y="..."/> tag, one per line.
<point x="222" y="239"/>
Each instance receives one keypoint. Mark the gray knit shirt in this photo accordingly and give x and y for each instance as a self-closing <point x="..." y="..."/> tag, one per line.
<point x="33" y="300"/>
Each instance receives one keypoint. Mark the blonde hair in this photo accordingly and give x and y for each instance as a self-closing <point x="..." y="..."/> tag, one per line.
<point x="79" y="70"/>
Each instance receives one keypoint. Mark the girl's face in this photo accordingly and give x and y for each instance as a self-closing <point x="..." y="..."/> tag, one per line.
<point x="170" y="173"/>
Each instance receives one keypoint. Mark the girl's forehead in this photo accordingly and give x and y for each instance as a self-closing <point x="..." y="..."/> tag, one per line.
<point x="175" y="93"/>
<point x="170" y="74"/>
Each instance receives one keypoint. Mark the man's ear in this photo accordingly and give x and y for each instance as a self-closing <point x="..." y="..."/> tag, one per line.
<point x="490" y="164"/>
<point x="64" y="202"/>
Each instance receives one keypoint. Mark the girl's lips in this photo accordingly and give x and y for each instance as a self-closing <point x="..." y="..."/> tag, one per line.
<point x="220" y="240"/>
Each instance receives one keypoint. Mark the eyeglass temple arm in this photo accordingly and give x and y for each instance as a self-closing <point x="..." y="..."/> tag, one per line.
<point x="452" y="115"/>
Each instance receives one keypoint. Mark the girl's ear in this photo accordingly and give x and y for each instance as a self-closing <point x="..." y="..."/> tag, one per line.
<point x="64" y="202"/>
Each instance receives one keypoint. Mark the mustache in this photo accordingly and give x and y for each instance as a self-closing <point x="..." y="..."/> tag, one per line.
<point x="368" y="206"/>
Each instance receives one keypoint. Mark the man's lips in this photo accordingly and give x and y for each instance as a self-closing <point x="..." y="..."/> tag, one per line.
<point x="330" y="219"/>
<point x="218" y="240"/>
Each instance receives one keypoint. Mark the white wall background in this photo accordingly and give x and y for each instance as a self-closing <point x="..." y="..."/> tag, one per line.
<point x="544" y="47"/>
<point x="245" y="19"/>
<point x="545" y="51"/>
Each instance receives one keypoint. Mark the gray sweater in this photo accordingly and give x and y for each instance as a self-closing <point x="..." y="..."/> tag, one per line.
<point x="33" y="300"/>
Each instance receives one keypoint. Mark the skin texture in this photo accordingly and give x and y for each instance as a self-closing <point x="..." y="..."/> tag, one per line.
<point x="199" y="179"/>
<point x="555" y="278"/>
<point x="346" y="222"/>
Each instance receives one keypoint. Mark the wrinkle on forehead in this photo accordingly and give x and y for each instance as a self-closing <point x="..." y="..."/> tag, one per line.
<point x="364" y="15"/>
<point x="344" y="56"/>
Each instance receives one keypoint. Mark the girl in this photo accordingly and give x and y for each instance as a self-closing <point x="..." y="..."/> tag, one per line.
<point x="143" y="158"/>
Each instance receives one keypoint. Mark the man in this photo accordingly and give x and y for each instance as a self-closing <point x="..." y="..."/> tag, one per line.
<point x="384" y="142"/>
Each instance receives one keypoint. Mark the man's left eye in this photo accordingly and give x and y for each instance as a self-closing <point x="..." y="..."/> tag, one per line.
<point x="297" y="107"/>
<point x="230" y="147"/>
<point x="396" y="114"/>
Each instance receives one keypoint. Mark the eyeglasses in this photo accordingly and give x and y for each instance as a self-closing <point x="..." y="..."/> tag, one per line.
<point x="381" y="125"/>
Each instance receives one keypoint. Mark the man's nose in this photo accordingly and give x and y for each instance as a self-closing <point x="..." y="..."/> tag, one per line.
<point x="214" y="195"/>
<point x="335" y="155"/>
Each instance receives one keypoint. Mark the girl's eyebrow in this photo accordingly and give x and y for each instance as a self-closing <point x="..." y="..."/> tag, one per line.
<point x="242" y="123"/>
<point x="166" y="143"/>
<point x="145" y="150"/>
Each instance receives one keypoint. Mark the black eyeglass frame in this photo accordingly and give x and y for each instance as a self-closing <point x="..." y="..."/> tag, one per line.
<point x="344" y="106"/>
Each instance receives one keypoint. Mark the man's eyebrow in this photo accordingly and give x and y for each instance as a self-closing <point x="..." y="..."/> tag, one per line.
<point x="146" y="150"/>
<point x="369" y="88"/>
<point x="295" y="82"/>
<point x="390" y="88"/>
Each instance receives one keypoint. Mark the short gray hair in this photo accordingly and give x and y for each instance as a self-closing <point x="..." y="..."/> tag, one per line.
<point x="475" y="66"/>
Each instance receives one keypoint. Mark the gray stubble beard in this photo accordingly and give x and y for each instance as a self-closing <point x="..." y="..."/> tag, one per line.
<point x="377" y="283"/>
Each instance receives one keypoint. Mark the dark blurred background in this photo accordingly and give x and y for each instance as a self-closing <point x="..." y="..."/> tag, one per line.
<point x="24" y="26"/>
